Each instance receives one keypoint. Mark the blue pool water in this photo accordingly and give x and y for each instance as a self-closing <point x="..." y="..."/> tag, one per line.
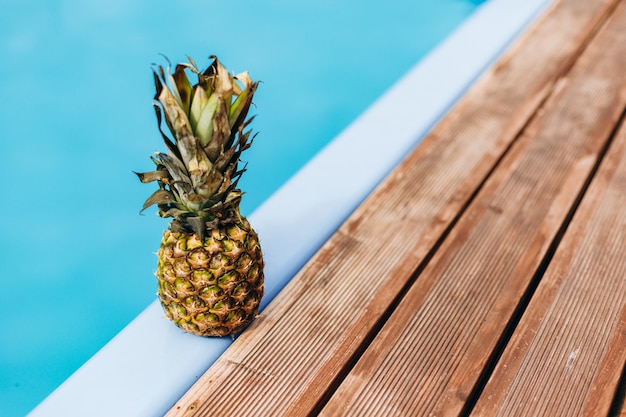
<point x="76" y="258"/>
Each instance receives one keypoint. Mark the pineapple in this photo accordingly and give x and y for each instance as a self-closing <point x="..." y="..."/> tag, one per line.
<point x="210" y="265"/>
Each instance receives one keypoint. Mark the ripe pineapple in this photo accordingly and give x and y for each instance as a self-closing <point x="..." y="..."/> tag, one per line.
<point x="210" y="266"/>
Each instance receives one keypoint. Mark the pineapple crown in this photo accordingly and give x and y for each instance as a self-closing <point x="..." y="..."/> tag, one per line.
<point x="198" y="176"/>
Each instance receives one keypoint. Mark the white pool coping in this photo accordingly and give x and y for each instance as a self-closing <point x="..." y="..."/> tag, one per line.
<point x="150" y="364"/>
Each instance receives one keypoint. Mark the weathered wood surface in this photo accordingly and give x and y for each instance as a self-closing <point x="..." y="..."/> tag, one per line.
<point x="453" y="240"/>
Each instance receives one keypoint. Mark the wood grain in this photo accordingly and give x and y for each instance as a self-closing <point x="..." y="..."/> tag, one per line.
<point x="291" y="358"/>
<point x="428" y="358"/>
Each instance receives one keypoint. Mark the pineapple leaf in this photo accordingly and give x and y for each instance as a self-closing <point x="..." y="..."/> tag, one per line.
<point x="243" y="101"/>
<point x="204" y="128"/>
<point x="175" y="117"/>
<point x="238" y="106"/>
<point x="243" y="78"/>
<point x="160" y="196"/>
<point x="212" y="182"/>
<point x="221" y="131"/>
<point x="173" y="212"/>
<point x="225" y="159"/>
<point x="233" y="196"/>
<point x="168" y="142"/>
<point x="174" y="166"/>
<point x="223" y="83"/>
<point x="194" y="202"/>
<point x="193" y="67"/>
<point x="241" y="145"/>
<point x="198" y="103"/>
<point x="199" y="167"/>
<point x="158" y="175"/>
<point x="183" y="86"/>
<point x="157" y="84"/>
<point x="182" y="182"/>
<point x="171" y="85"/>
<point x="197" y="224"/>
<point x="179" y="124"/>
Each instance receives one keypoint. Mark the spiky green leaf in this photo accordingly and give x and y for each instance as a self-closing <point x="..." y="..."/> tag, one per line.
<point x="198" y="103"/>
<point x="244" y="99"/>
<point x="204" y="128"/>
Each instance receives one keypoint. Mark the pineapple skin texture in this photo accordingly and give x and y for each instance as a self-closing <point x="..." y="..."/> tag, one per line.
<point x="211" y="287"/>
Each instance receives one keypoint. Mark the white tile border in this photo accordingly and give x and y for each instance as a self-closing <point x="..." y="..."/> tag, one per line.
<point x="133" y="375"/>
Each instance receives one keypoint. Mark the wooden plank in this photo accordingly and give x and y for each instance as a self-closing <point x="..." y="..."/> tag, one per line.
<point x="285" y="362"/>
<point x="568" y="353"/>
<point x="429" y="357"/>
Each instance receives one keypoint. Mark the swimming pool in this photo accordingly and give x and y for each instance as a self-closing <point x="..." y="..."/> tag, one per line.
<point x="94" y="124"/>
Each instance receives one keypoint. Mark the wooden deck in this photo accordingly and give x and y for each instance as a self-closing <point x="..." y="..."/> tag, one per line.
<point x="486" y="276"/>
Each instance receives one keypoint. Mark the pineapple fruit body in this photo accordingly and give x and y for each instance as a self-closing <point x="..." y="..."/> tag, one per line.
<point x="211" y="286"/>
